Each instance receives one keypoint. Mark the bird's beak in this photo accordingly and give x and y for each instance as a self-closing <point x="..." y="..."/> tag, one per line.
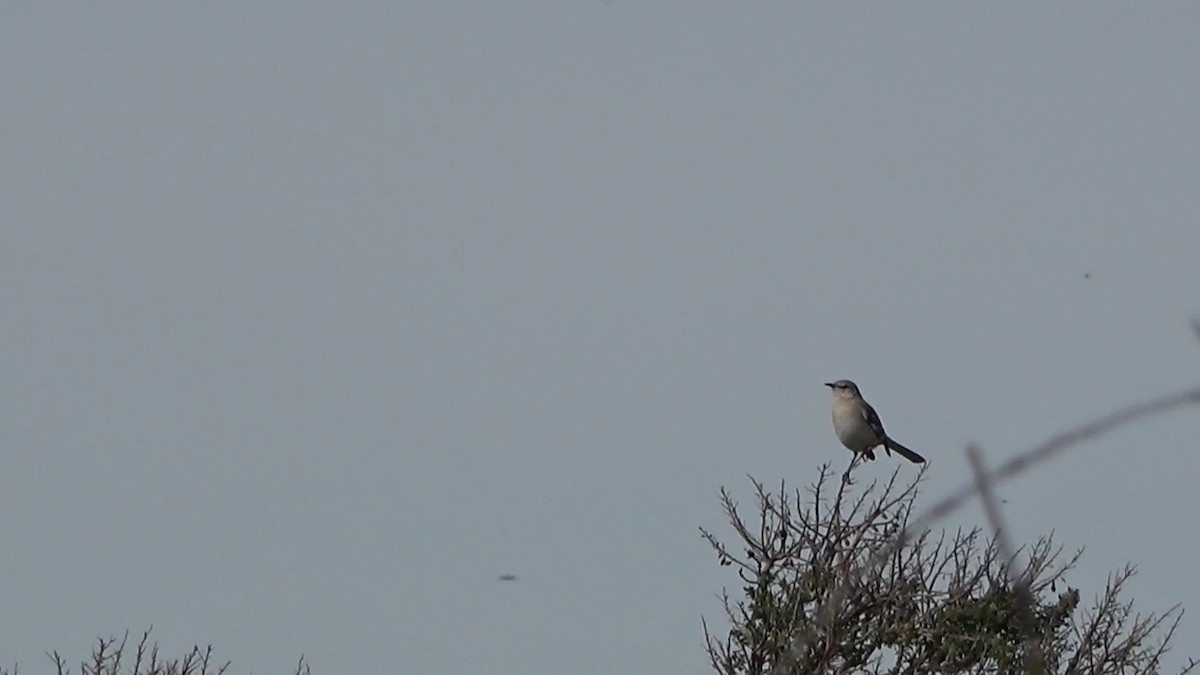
<point x="829" y="384"/>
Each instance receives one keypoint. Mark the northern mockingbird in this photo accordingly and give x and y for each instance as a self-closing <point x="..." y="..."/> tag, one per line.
<point x="857" y="425"/>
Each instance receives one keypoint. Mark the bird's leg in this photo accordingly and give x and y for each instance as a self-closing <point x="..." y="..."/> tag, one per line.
<point x="853" y="462"/>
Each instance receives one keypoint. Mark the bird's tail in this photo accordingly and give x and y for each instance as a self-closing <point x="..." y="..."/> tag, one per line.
<point x="904" y="452"/>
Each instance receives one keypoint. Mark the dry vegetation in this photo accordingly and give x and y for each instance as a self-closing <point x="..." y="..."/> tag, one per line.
<point x="841" y="580"/>
<point x="111" y="656"/>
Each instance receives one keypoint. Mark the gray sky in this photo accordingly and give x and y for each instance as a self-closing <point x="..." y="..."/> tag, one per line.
<point x="319" y="319"/>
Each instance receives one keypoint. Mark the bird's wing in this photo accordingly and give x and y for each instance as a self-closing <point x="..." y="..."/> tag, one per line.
<point x="872" y="419"/>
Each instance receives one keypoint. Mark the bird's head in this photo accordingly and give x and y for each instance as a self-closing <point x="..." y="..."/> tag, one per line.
<point x="843" y="388"/>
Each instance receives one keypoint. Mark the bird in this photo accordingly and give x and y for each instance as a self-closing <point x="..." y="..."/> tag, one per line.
<point x="857" y="424"/>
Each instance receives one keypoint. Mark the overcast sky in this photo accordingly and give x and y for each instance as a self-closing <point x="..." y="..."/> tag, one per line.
<point x="318" y="318"/>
